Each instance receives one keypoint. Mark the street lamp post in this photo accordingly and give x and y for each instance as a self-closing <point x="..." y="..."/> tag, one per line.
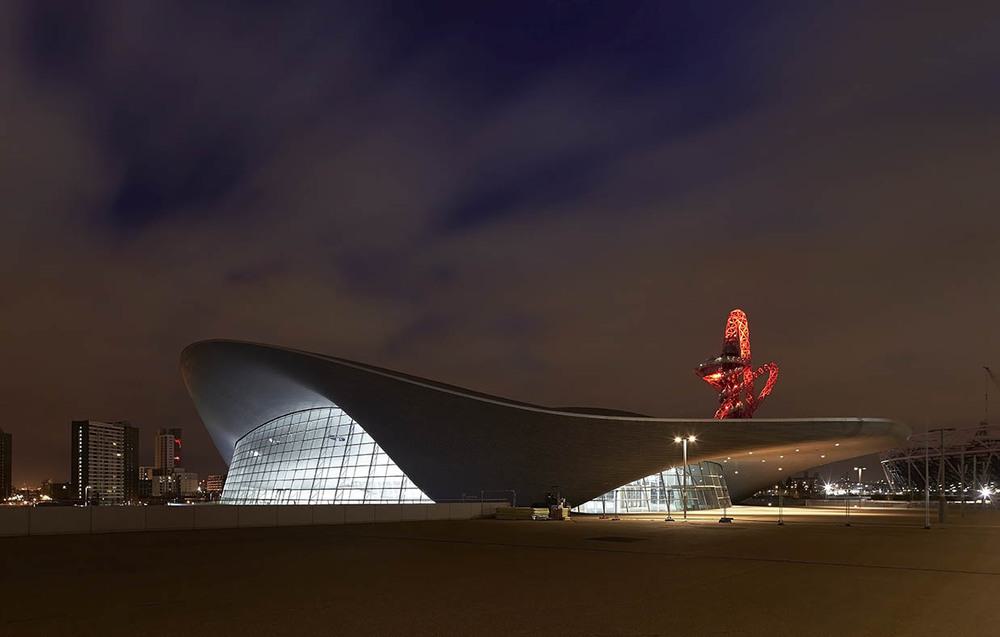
<point x="941" y="496"/>
<point x="668" y="493"/>
<point x="927" y="481"/>
<point x="859" y="470"/>
<point x="781" y="504"/>
<point x="847" y="506"/>
<point x="684" y="495"/>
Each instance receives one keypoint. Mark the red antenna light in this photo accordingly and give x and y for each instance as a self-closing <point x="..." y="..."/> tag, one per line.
<point x="732" y="373"/>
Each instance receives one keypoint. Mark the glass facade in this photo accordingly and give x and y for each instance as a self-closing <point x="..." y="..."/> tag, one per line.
<point x="706" y="489"/>
<point x="315" y="456"/>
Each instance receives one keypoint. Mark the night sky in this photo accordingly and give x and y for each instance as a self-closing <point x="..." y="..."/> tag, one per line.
<point x="556" y="202"/>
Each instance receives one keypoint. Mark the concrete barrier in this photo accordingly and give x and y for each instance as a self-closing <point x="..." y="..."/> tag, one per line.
<point x="258" y="515"/>
<point x="298" y="515"/>
<point x="359" y="513"/>
<point x="464" y="510"/>
<point x="328" y="514"/>
<point x="388" y="512"/>
<point x="167" y="518"/>
<point x="16" y="521"/>
<point x="412" y="512"/>
<point x="117" y="519"/>
<point x="436" y="511"/>
<point x="324" y="514"/>
<point x="216" y="517"/>
<point x="60" y="520"/>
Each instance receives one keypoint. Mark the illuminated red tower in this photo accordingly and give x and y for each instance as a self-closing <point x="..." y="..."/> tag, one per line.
<point x="732" y="374"/>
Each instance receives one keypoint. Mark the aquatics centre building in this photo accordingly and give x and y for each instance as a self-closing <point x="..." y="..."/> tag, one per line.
<point x="303" y="428"/>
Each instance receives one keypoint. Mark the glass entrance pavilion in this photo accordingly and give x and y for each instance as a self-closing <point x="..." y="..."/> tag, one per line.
<point x="664" y="491"/>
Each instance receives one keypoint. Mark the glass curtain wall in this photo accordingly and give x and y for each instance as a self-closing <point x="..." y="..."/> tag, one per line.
<point x="706" y="489"/>
<point x="315" y="456"/>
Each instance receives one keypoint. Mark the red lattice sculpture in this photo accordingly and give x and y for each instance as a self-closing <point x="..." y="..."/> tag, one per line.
<point x="732" y="373"/>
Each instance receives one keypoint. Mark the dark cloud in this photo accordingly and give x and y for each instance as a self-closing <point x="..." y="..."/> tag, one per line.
<point x="536" y="185"/>
<point x="555" y="201"/>
<point x="60" y="40"/>
<point x="161" y="183"/>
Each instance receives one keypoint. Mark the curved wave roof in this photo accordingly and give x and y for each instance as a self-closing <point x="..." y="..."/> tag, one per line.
<point x="454" y="442"/>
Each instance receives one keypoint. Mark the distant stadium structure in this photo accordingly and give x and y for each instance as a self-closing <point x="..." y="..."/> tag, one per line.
<point x="967" y="467"/>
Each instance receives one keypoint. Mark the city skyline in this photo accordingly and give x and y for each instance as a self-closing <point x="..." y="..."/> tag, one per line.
<point x="553" y="202"/>
<point x="155" y="450"/>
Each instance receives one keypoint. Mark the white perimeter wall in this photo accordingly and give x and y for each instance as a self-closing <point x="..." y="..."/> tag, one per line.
<point x="117" y="519"/>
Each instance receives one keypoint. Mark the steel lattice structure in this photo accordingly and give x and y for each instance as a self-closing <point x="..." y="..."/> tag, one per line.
<point x="968" y="465"/>
<point x="732" y="373"/>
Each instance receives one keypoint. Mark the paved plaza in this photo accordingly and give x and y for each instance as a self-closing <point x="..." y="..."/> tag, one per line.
<point x="883" y="575"/>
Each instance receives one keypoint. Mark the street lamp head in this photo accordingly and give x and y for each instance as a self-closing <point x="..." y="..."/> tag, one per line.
<point x="678" y="439"/>
<point x="692" y="439"/>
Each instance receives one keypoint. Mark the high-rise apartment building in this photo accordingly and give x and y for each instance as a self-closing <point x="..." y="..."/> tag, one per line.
<point x="168" y="450"/>
<point x="6" y="454"/>
<point x="105" y="461"/>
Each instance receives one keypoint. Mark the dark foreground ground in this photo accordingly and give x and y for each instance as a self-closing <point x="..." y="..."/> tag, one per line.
<point x="885" y="575"/>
